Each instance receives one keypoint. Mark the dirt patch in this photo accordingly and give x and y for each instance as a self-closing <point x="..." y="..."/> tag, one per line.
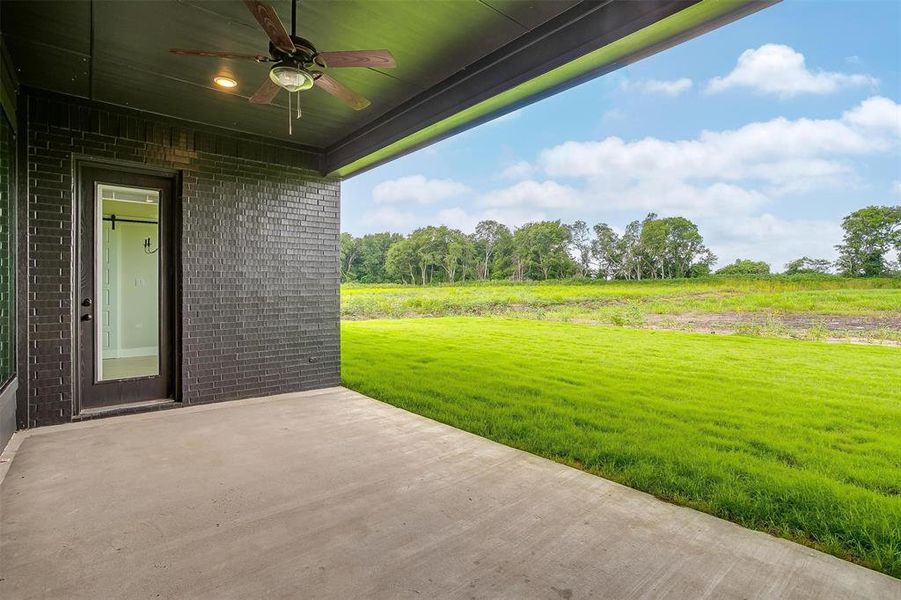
<point x="833" y="328"/>
<point x="729" y="321"/>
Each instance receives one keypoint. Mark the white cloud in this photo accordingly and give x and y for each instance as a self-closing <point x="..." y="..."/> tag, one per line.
<point x="514" y="217"/>
<point x="391" y="219"/>
<point x="725" y="180"/>
<point x="417" y="189"/>
<point x="460" y="218"/>
<point x="656" y="86"/>
<point x="876" y="114"/>
<point x="518" y="170"/>
<point x="781" y="70"/>
<point x="676" y="197"/>
<point x="456" y="218"/>
<point x="770" y="238"/>
<point x="529" y="193"/>
<point x="781" y="153"/>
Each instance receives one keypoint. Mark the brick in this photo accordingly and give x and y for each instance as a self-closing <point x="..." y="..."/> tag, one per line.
<point x="259" y="254"/>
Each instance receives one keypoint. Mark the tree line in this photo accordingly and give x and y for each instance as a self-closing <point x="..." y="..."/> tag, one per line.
<point x="653" y="248"/>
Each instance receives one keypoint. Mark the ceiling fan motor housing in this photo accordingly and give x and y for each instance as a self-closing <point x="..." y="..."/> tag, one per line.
<point x="305" y="55"/>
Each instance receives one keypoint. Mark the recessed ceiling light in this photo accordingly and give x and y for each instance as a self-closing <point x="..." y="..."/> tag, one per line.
<point x="225" y="82"/>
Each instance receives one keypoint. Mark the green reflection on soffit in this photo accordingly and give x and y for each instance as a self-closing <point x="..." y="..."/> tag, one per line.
<point x="7" y="86"/>
<point x="661" y="31"/>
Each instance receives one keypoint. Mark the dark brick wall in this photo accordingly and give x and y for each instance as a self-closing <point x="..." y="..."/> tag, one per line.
<point x="8" y="171"/>
<point x="259" y="253"/>
<point x="7" y="253"/>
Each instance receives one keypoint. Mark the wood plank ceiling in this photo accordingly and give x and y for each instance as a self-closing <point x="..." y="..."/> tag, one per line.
<point x="126" y="60"/>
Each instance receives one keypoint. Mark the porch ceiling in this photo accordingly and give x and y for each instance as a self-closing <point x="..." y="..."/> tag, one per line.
<point x="452" y="57"/>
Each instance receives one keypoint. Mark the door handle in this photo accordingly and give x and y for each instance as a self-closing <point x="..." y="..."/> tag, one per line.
<point x="87" y="317"/>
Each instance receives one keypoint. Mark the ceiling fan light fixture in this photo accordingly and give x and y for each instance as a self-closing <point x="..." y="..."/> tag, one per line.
<point x="298" y="66"/>
<point x="291" y="78"/>
<point x="225" y="82"/>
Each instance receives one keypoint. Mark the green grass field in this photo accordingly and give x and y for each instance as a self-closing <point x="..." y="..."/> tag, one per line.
<point x="833" y="295"/>
<point x="766" y="428"/>
<point x="811" y="307"/>
<point x="800" y="439"/>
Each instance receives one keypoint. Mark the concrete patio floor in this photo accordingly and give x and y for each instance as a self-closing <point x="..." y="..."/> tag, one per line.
<point x="330" y="494"/>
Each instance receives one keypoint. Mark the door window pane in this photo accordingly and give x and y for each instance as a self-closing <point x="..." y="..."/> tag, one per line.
<point x="127" y="281"/>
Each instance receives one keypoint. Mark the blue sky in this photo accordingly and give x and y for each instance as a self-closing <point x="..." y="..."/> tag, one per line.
<point x="765" y="133"/>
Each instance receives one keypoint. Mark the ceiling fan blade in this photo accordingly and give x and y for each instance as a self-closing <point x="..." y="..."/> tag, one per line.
<point x="269" y="21"/>
<point x="215" y="54"/>
<point x="358" y="58"/>
<point x="265" y="93"/>
<point x="342" y="92"/>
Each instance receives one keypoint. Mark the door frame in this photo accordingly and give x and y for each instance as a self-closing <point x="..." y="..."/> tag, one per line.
<point x="174" y="223"/>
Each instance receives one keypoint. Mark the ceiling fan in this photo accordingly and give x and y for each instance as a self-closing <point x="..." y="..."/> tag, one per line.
<point x="298" y="65"/>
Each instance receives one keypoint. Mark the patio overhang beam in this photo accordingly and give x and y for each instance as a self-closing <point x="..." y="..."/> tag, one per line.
<point x="591" y="39"/>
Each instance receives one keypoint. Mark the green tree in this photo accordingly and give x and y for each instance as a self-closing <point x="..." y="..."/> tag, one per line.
<point x="453" y="251"/>
<point x="745" y="267"/>
<point x="653" y="246"/>
<point x="807" y="265"/>
<point x="349" y="252"/>
<point x="673" y="247"/>
<point x="502" y="262"/>
<point x="373" y="249"/>
<point x="702" y="269"/>
<point x="870" y="234"/>
<point x="401" y="262"/>
<point x="490" y="238"/>
<point x="425" y="246"/>
<point x="607" y="250"/>
<point x="632" y="251"/>
<point x="580" y="243"/>
<point x="541" y="251"/>
<point x="686" y="253"/>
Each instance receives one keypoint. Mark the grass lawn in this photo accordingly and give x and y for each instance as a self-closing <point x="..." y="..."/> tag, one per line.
<point x="824" y="295"/>
<point x="800" y="439"/>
